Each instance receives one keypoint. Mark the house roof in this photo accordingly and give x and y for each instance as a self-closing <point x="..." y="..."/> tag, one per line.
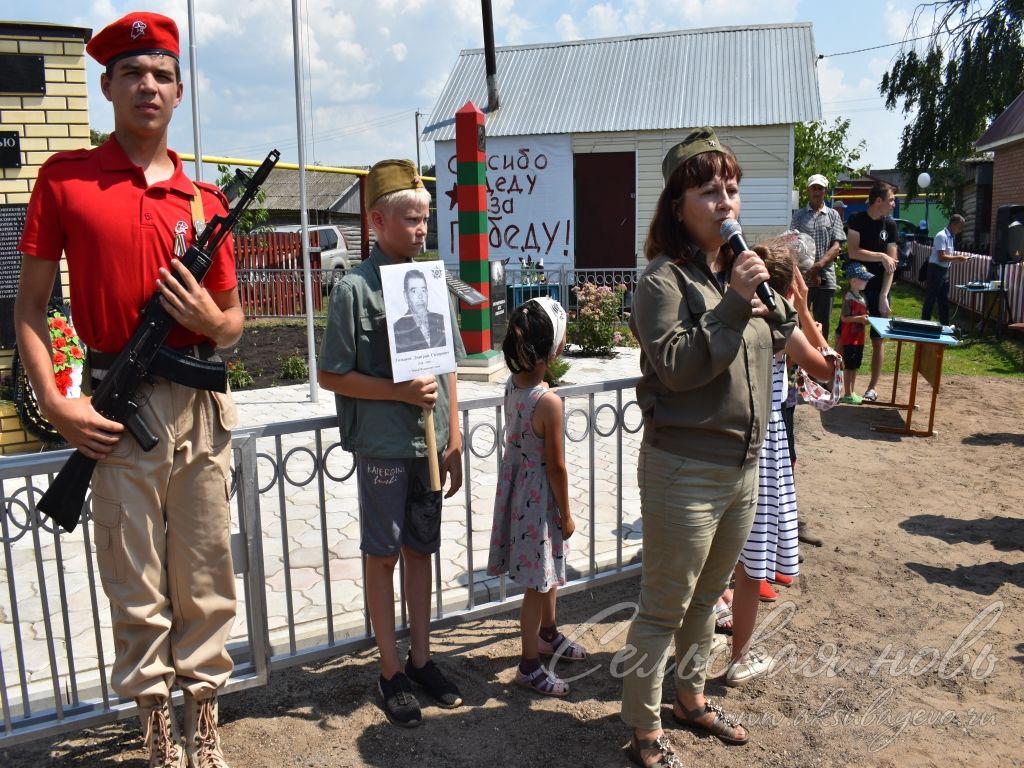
<point x="1005" y="129"/>
<point x="324" y="190"/>
<point x="723" y="76"/>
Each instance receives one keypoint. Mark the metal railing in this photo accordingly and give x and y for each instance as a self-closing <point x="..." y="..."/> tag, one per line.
<point x="296" y="550"/>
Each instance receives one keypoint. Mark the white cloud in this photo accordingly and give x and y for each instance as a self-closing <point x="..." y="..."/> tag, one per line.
<point x="369" y="61"/>
<point x="621" y="17"/>
<point x="603" y="20"/>
<point x="566" y="28"/>
<point x="509" y="26"/>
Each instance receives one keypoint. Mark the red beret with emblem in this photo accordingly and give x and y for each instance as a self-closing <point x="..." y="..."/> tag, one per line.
<point x="136" y="34"/>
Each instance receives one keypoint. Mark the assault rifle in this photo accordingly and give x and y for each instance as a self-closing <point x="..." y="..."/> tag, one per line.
<point x="145" y="354"/>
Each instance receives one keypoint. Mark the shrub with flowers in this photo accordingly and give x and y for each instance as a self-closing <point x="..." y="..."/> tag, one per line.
<point x="68" y="354"/>
<point x="598" y="309"/>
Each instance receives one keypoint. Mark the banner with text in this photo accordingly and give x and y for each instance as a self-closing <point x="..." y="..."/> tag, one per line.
<point x="529" y="199"/>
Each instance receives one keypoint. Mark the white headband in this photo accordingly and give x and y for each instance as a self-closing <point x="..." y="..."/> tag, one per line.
<point x="557" y="316"/>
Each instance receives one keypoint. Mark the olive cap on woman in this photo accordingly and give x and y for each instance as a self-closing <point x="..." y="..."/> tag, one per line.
<point x="698" y="141"/>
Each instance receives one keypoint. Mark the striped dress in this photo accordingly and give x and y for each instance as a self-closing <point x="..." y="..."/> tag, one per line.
<point x="772" y="546"/>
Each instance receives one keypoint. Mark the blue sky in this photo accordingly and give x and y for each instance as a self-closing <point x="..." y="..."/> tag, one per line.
<point x="374" y="63"/>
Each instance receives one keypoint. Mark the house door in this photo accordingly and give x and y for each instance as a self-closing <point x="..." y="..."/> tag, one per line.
<point x="605" y="210"/>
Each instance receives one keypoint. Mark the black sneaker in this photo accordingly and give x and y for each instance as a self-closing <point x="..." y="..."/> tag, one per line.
<point x="400" y="705"/>
<point x="433" y="681"/>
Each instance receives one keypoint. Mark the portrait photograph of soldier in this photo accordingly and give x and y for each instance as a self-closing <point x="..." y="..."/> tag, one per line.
<point x="418" y="328"/>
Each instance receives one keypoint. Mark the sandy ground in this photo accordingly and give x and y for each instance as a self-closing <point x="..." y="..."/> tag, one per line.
<point x="902" y="637"/>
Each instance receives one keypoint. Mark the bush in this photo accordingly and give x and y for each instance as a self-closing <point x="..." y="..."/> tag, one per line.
<point x="238" y="377"/>
<point x="622" y="336"/>
<point x="597" y="318"/>
<point x="295" y="368"/>
<point x="556" y="371"/>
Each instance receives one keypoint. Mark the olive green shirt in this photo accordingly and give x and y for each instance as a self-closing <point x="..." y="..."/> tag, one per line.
<point x="356" y="339"/>
<point x="705" y="362"/>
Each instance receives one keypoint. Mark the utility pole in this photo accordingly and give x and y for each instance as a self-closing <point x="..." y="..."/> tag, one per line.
<point x="418" y="166"/>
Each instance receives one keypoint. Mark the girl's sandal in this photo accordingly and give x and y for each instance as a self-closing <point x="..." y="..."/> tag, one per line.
<point x="566" y="649"/>
<point x="723" y="726"/>
<point x="543" y="682"/>
<point x="666" y="757"/>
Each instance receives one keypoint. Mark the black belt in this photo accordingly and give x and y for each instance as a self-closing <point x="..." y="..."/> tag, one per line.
<point x="101" y="361"/>
<point x="197" y="366"/>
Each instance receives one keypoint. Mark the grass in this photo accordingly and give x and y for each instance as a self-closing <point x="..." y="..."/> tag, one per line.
<point x="974" y="357"/>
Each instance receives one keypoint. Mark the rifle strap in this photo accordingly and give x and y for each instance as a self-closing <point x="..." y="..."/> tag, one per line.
<point x="198" y="217"/>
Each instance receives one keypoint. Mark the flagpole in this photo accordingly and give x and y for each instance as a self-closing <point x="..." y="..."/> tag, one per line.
<point x="307" y="282"/>
<point x="193" y="65"/>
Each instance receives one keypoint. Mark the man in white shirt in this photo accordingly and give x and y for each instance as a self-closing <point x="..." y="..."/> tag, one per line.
<point x="943" y="255"/>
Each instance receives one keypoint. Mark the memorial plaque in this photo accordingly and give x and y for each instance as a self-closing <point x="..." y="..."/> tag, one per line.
<point x="12" y="221"/>
<point x="22" y="73"/>
<point x="10" y="149"/>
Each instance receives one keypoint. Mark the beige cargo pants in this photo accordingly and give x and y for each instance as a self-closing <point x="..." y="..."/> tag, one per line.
<point x="696" y="519"/>
<point x="162" y="529"/>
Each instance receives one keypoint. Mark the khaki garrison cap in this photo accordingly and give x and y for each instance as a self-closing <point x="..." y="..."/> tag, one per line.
<point x="699" y="141"/>
<point x="389" y="176"/>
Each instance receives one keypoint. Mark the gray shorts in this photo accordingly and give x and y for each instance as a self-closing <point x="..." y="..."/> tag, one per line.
<point x="397" y="507"/>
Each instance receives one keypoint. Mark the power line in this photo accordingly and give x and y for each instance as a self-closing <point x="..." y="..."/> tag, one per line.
<point x="326" y="136"/>
<point x="874" y="47"/>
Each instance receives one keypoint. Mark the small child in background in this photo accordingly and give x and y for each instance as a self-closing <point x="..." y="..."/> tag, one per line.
<point x="854" y="317"/>
<point x="531" y="506"/>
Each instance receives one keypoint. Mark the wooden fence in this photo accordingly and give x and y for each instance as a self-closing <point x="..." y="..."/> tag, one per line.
<point x="978" y="269"/>
<point x="270" y="280"/>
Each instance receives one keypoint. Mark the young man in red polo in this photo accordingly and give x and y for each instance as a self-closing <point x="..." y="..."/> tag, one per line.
<point x="121" y="213"/>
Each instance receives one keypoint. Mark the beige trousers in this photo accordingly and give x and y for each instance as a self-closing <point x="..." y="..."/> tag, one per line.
<point x="163" y="542"/>
<point x="696" y="519"/>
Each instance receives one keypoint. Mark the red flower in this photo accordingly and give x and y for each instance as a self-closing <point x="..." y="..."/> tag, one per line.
<point x="76" y="352"/>
<point x="60" y="342"/>
<point x="63" y="379"/>
<point x="58" y="322"/>
<point x="69" y="332"/>
<point x="59" y="359"/>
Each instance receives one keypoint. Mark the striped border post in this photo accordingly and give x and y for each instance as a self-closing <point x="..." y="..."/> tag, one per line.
<point x="474" y="267"/>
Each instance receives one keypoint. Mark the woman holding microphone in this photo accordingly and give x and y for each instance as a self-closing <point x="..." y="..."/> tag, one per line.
<point x="706" y="346"/>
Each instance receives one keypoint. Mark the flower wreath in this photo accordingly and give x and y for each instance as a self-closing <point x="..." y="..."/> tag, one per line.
<point x="68" y="354"/>
<point x="68" y="366"/>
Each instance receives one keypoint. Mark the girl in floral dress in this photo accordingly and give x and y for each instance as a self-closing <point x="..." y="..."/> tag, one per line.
<point x="531" y="506"/>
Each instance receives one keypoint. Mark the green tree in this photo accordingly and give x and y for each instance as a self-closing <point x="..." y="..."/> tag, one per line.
<point x="252" y="218"/>
<point x="97" y="137"/>
<point x="972" y="70"/>
<point x="821" y="148"/>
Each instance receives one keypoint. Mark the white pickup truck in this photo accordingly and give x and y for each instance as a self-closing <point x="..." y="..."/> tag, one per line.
<point x="327" y="242"/>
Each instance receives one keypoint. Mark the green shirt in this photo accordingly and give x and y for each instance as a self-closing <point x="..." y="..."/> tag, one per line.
<point x="356" y="339"/>
<point x="706" y="364"/>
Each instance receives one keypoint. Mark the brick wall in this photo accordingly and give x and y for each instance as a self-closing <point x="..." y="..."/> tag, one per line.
<point x="56" y="120"/>
<point x="1007" y="178"/>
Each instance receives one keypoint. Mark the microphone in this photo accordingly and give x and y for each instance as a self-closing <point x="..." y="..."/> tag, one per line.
<point x="731" y="231"/>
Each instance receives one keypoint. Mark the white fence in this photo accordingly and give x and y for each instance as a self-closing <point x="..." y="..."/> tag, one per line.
<point x="296" y="553"/>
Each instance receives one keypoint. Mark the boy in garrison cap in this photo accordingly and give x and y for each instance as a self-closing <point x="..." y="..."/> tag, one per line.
<point x="381" y="422"/>
<point x="121" y="214"/>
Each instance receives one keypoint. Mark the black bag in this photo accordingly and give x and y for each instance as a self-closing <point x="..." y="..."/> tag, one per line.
<point x="922" y="273"/>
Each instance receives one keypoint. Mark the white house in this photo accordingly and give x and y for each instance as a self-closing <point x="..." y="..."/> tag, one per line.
<point x="575" y="147"/>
